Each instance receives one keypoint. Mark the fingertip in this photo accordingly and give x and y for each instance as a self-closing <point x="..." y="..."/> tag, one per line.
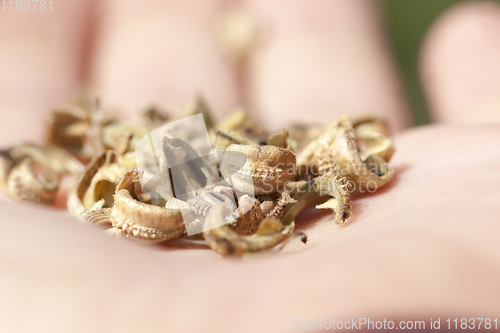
<point x="163" y="53"/>
<point x="321" y="60"/>
<point x="40" y="63"/>
<point x="459" y="64"/>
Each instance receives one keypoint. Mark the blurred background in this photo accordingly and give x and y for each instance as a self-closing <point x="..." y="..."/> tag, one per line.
<point x="407" y="22"/>
<point x="163" y="52"/>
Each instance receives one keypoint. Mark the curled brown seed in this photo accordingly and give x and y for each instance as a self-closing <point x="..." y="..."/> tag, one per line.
<point x="240" y="121"/>
<point x="112" y="136"/>
<point x="66" y="127"/>
<point x="95" y="187"/>
<point x="104" y="182"/>
<point x="282" y="140"/>
<point x="248" y="216"/>
<point x="24" y="184"/>
<point x="337" y="153"/>
<point x="124" y="156"/>
<point x="225" y="241"/>
<point x="265" y="170"/>
<point x="224" y="138"/>
<point x="51" y="156"/>
<point x="376" y="124"/>
<point x="32" y="173"/>
<point x="267" y="204"/>
<point x="329" y="188"/>
<point x="373" y="132"/>
<point x="141" y="221"/>
<point x="76" y="127"/>
<point x="283" y="200"/>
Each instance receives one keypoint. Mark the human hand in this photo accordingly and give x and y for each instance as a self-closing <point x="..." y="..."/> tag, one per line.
<point x="424" y="246"/>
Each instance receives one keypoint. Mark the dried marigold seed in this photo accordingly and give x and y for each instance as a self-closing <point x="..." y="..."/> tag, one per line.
<point x="337" y="153"/>
<point x="325" y="187"/>
<point x="268" y="183"/>
<point x="248" y="216"/>
<point x="283" y="200"/>
<point x="239" y="120"/>
<point x="257" y="169"/>
<point x="95" y="187"/>
<point x="24" y="184"/>
<point x="32" y="173"/>
<point x="224" y="138"/>
<point x="372" y="134"/>
<point x="225" y="241"/>
<point x="142" y="221"/>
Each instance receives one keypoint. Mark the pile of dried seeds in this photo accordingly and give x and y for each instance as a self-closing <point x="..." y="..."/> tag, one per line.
<point x="283" y="174"/>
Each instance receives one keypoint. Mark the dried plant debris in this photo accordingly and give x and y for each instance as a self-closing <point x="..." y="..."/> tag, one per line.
<point x="249" y="216"/>
<point x="94" y="189"/>
<point x="273" y="207"/>
<point x="372" y="133"/>
<point x="135" y="219"/>
<point x="240" y="121"/>
<point x="32" y="173"/>
<point x="224" y="138"/>
<point x="282" y="140"/>
<point x="337" y="153"/>
<point x="360" y="154"/>
<point x="327" y="189"/>
<point x="242" y="197"/>
<point x="24" y="184"/>
<point x="76" y="127"/>
<point x="112" y="135"/>
<point x="257" y="169"/>
<point x="225" y="241"/>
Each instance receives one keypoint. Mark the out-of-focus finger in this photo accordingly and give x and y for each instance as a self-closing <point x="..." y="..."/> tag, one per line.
<point x="162" y="52"/>
<point x="460" y="64"/>
<point x="40" y="62"/>
<point x="318" y="60"/>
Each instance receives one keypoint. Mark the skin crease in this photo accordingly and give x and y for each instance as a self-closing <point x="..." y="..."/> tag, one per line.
<point x="424" y="246"/>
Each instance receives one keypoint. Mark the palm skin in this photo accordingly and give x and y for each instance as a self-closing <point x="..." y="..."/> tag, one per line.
<point x="424" y="246"/>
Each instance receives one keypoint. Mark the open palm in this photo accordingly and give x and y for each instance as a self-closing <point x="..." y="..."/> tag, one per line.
<point x="424" y="246"/>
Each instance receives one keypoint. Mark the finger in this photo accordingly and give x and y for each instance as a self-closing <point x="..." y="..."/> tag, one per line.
<point x="315" y="62"/>
<point x="40" y="62"/>
<point x="459" y="64"/>
<point x="162" y="52"/>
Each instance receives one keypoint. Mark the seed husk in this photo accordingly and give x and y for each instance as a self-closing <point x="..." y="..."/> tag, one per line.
<point x="227" y="242"/>
<point x="269" y="185"/>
